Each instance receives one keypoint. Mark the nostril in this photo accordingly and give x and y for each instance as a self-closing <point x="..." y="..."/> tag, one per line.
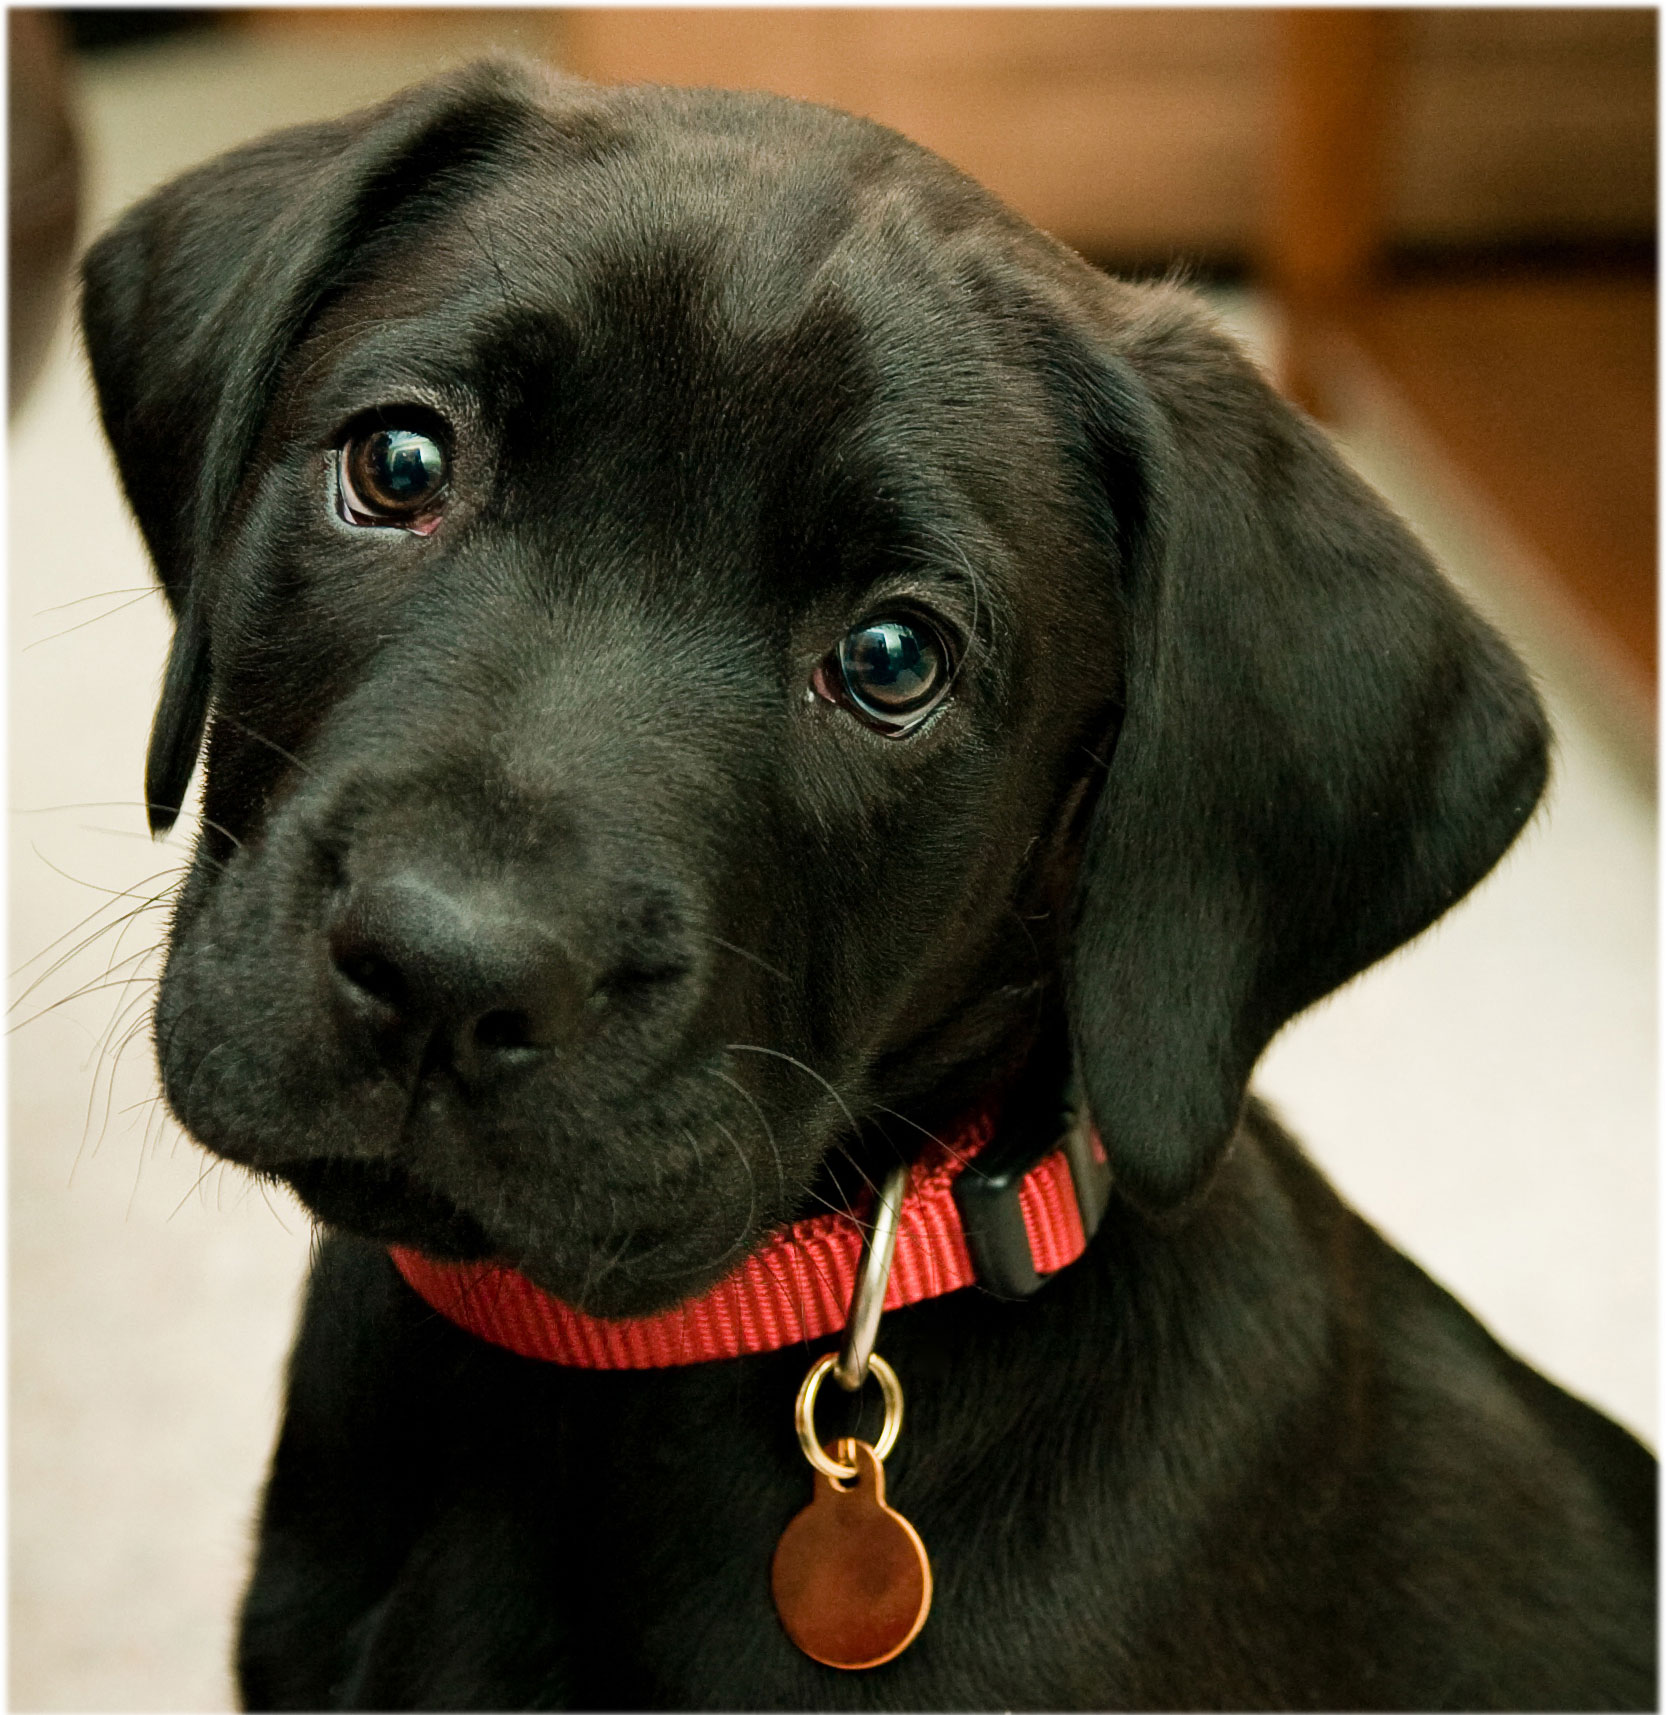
<point x="435" y="971"/>
<point x="461" y="973"/>
<point x="374" y="973"/>
<point x="505" y="1029"/>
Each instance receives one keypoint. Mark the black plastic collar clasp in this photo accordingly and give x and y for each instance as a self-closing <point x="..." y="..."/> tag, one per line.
<point x="986" y="1195"/>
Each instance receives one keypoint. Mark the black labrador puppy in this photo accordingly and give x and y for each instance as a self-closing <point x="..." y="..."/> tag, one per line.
<point x="721" y="652"/>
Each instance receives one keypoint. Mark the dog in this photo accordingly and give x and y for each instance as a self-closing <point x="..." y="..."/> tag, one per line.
<point x="726" y="661"/>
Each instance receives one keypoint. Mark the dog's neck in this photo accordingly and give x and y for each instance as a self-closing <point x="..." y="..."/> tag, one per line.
<point x="1020" y="1068"/>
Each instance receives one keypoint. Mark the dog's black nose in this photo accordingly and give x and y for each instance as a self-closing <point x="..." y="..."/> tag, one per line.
<point x="452" y="972"/>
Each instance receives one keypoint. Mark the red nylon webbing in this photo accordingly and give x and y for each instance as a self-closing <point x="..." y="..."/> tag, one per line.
<point x="797" y="1287"/>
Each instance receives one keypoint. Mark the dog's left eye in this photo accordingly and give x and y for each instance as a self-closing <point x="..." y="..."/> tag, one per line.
<point x="392" y="477"/>
<point x="891" y="672"/>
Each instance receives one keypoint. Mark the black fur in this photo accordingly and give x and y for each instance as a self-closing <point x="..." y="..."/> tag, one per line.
<point x="663" y="947"/>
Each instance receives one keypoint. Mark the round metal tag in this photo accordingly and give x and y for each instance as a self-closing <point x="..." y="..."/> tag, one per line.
<point x="851" y="1580"/>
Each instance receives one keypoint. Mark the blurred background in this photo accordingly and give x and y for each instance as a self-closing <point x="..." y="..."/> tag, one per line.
<point x="1436" y="228"/>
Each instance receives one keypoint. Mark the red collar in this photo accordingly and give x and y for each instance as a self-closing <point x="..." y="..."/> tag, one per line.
<point x="798" y="1286"/>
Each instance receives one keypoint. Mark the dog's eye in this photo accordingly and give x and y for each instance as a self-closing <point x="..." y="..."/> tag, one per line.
<point x="893" y="672"/>
<point x="392" y="477"/>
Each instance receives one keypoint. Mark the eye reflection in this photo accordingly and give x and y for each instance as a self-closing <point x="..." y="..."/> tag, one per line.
<point x="895" y="671"/>
<point x="392" y="477"/>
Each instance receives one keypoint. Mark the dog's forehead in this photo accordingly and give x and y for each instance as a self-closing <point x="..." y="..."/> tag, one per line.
<point x="740" y="230"/>
<point x="777" y="195"/>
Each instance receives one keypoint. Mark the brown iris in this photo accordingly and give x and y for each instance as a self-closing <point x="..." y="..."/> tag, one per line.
<point x="392" y="477"/>
<point x="895" y="671"/>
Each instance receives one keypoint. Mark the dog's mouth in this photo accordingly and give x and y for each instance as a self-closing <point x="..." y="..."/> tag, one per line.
<point x="380" y="1200"/>
<point x="633" y="1272"/>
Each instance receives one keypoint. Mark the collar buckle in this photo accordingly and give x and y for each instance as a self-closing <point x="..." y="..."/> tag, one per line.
<point x="987" y="1196"/>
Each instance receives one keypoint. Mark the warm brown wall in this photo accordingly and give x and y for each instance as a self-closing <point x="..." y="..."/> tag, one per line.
<point x="1518" y="123"/>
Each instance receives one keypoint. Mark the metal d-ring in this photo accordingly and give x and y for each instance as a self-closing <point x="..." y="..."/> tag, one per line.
<point x="857" y="1356"/>
<point x="804" y="1416"/>
<point x="873" y="1275"/>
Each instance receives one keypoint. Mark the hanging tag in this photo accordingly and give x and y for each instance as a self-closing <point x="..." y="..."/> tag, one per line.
<point x="851" y="1580"/>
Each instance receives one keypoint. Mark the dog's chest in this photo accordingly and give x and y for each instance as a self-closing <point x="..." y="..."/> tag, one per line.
<point x="589" y="1541"/>
<point x="596" y="1603"/>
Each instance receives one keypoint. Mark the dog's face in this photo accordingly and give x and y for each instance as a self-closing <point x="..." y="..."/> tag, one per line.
<point x="713" y="639"/>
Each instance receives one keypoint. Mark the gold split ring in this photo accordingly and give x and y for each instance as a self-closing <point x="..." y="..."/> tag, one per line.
<point x="805" y="1415"/>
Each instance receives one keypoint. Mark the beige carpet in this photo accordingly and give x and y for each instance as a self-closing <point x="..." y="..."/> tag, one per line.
<point x="1487" y="1096"/>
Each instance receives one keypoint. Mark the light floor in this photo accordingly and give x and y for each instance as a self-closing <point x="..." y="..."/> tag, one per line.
<point x="1487" y="1097"/>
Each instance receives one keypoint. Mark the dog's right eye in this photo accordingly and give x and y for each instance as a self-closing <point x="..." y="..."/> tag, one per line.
<point x="392" y="477"/>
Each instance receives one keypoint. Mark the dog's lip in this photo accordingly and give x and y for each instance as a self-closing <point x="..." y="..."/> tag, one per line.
<point x="380" y="1200"/>
<point x="384" y="1202"/>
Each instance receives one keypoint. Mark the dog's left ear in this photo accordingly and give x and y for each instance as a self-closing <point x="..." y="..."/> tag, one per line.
<point x="1322" y="747"/>
<point x="191" y="302"/>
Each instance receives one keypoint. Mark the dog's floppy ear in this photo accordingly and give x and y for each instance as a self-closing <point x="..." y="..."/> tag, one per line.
<point x="1322" y="748"/>
<point x="191" y="301"/>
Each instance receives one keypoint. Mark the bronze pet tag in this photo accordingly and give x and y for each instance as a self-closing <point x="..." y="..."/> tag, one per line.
<point x="851" y="1580"/>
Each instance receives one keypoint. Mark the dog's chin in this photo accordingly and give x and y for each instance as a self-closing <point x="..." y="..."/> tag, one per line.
<point x="380" y="1201"/>
<point x="637" y="1274"/>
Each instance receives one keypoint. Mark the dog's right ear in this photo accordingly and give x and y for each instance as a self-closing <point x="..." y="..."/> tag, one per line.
<point x="190" y="303"/>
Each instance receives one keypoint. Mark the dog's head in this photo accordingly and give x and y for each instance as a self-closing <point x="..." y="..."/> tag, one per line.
<point x="715" y="641"/>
